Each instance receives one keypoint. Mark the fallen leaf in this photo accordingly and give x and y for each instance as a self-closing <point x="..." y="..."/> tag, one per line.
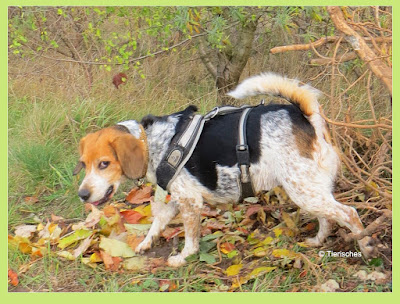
<point x="252" y="210"/>
<point x="76" y="236"/>
<point x="30" y="200"/>
<point x="279" y="253"/>
<point x="131" y="216"/>
<point x="376" y="276"/>
<point x="329" y="286"/>
<point x="116" y="248"/>
<point x="137" y="229"/>
<point x="144" y="210"/>
<point x="95" y="257"/>
<point x="82" y="247"/>
<point x="259" y="271"/>
<point x="233" y="270"/>
<point x="227" y="247"/>
<point x="139" y="195"/>
<point x="288" y="221"/>
<point x="55" y="218"/>
<point x="66" y="255"/>
<point x="208" y="212"/>
<point x="25" y="230"/>
<point x="171" y="232"/>
<point x="134" y="240"/>
<point x="206" y="257"/>
<point x="12" y="278"/>
<point x="135" y="263"/>
<point x="278" y="232"/>
<point x="361" y="274"/>
<point x="110" y="262"/>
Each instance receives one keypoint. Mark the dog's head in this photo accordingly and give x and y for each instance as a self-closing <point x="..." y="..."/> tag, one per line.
<point x="108" y="155"/>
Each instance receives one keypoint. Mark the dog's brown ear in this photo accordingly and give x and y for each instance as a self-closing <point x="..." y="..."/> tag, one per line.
<point x="78" y="168"/>
<point x="131" y="155"/>
<point x="80" y="164"/>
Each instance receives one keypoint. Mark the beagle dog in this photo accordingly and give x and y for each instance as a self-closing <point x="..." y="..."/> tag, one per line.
<point x="289" y="146"/>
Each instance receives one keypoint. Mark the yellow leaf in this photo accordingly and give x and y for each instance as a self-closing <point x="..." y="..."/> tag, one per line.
<point x="233" y="270"/>
<point x="260" y="252"/>
<point x="95" y="258"/>
<point x="302" y="244"/>
<point x="268" y="240"/>
<point x="288" y="221"/>
<point x="278" y="232"/>
<point x="238" y="282"/>
<point x="278" y="253"/>
<point x="144" y="210"/>
<point x="259" y="271"/>
<point x="116" y="248"/>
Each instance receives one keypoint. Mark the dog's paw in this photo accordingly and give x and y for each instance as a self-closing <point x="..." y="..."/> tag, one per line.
<point x="313" y="242"/>
<point x="176" y="260"/>
<point x="143" y="246"/>
<point x="366" y="246"/>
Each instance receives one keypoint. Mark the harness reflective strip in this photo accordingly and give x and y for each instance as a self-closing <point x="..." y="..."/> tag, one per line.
<point x="243" y="156"/>
<point x="195" y="127"/>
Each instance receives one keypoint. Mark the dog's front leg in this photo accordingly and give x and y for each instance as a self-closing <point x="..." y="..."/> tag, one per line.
<point x="191" y="221"/>
<point x="162" y="214"/>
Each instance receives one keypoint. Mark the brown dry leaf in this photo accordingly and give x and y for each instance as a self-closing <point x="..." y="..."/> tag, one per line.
<point x="111" y="263"/>
<point x="213" y="224"/>
<point x="252" y="210"/>
<point x="171" y="232"/>
<point x="139" y="195"/>
<point x="131" y="216"/>
<point x="25" y="231"/>
<point x="82" y="247"/>
<point x="133" y="240"/>
<point x="208" y="212"/>
<point x="30" y="200"/>
<point x="289" y="221"/>
<point x="55" y="218"/>
<point x="110" y="211"/>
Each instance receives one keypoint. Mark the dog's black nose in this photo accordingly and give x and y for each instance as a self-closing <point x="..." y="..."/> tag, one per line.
<point x="84" y="194"/>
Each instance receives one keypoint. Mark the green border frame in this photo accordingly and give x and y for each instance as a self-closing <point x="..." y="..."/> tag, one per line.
<point x="180" y="297"/>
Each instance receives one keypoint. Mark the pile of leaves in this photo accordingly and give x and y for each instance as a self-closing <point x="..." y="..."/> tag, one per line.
<point x="240" y="243"/>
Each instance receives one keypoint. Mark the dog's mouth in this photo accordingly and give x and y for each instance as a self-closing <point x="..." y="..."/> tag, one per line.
<point x="106" y="197"/>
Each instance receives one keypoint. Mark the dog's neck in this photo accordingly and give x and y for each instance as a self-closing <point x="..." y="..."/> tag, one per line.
<point x="159" y="135"/>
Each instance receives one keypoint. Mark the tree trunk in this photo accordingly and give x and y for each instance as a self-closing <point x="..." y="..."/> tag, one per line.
<point x="230" y="61"/>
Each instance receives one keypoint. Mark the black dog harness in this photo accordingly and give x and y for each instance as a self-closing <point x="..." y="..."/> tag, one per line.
<point x="183" y="144"/>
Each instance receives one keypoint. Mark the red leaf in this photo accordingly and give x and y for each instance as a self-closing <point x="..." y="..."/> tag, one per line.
<point x="138" y="196"/>
<point x="131" y="216"/>
<point x="169" y="232"/>
<point x="227" y="247"/>
<point x="215" y="225"/>
<point x="119" y="79"/>
<point x="207" y="211"/>
<point x="13" y="278"/>
<point x="252" y="210"/>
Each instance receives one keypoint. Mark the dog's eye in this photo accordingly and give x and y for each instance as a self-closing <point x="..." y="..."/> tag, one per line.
<point x="103" y="164"/>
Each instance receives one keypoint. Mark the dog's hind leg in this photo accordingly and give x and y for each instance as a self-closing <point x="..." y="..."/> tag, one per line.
<point x="163" y="214"/>
<point x="323" y="232"/>
<point x="191" y="221"/>
<point x="316" y="199"/>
